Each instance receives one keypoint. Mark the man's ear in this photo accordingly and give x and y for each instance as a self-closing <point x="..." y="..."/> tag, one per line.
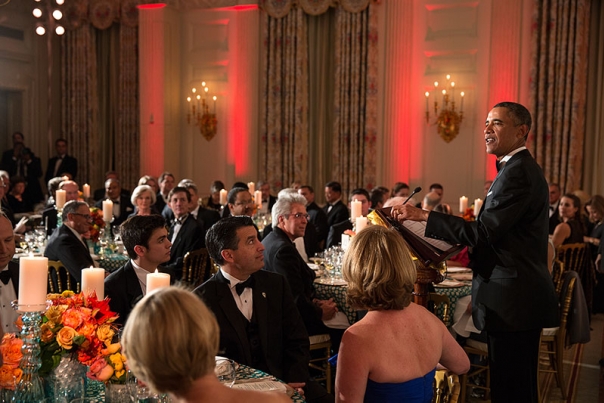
<point x="227" y="255"/>
<point x="140" y="250"/>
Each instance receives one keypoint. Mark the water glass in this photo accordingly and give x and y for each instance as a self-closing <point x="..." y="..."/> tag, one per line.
<point x="225" y="371"/>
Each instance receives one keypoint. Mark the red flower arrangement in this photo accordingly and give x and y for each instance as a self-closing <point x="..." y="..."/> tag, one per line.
<point x="97" y="223"/>
<point x="469" y="214"/>
<point x="10" y="373"/>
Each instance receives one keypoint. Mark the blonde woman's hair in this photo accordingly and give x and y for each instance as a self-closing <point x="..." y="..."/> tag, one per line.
<point x="379" y="270"/>
<point x="170" y="340"/>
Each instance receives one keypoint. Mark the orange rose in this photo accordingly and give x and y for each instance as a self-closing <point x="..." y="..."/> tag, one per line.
<point x="87" y="329"/>
<point x="105" y="334"/>
<point x="65" y="337"/>
<point x="46" y="334"/>
<point x="55" y="313"/>
<point x="11" y="350"/>
<point x="100" y="370"/>
<point x="73" y="318"/>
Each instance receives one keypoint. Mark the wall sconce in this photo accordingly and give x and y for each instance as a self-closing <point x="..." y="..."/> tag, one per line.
<point x="448" y="120"/>
<point x="45" y="11"/>
<point x="198" y="112"/>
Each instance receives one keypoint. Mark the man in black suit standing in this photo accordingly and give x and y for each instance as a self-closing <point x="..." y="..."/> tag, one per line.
<point x="146" y="241"/>
<point x="66" y="243"/>
<point x="318" y="218"/>
<point x="336" y="230"/>
<point x="336" y="210"/>
<point x="513" y="296"/>
<point x="62" y="163"/>
<point x="185" y="233"/>
<point x="122" y="206"/>
<point x="259" y="323"/>
<point x="9" y="276"/>
<point x="554" y="202"/>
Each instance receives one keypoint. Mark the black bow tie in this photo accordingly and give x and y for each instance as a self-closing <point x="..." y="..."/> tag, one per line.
<point x="115" y="201"/>
<point x="499" y="165"/>
<point x="5" y="276"/>
<point x="249" y="283"/>
<point x="552" y="208"/>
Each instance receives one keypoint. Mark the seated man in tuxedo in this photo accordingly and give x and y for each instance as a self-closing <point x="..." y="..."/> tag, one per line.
<point x="205" y="217"/>
<point x="318" y="218"/>
<point x="9" y="274"/>
<point x="185" y="233"/>
<point x="336" y="210"/>
<point x="99" y="194"/>
<point x="49" y="215"/>
<point x="62" y="163"/>
<point x="259" y="323"/>
<point x="122" y="206"/>
<point x="66" y="243"/>
<point x="240" y="202"/>
<point x="336" y="230"/>
<point x="146" y="241"/>
<point x="268" y="200"/>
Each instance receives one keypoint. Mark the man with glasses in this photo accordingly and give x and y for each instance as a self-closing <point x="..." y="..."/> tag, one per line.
<point x="67" y="244"/>
<point x="281" y="256"/>
<point x="240" y="202"/>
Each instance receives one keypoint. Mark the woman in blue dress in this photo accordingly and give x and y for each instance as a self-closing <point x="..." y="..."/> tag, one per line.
<point x="391" y="354"/>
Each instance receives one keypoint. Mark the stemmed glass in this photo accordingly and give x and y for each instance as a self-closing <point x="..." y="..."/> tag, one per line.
<point x="225" y="371"/>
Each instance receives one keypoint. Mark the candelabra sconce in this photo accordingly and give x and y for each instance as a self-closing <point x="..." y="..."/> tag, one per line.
<point x="448" y="120"/>
<point x="30" y="388"/>
<point x="198" y="112"/>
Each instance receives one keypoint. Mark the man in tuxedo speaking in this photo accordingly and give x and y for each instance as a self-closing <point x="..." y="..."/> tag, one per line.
<point x="513" y="296"/>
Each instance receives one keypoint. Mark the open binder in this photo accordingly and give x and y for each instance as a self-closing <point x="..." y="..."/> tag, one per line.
<point x="430" y="252"/>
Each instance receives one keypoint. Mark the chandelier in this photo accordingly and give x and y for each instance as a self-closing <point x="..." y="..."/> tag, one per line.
<point x="448" y="119"/>
<point x="48" y="14"/>
<point x="198" y="112"/>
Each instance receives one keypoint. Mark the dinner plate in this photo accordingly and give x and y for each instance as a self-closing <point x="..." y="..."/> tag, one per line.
<point x="461" y="276"/>
<point x="449" y="284"/>
<point x="458" y="270"/>
<point x="220" y="358"/>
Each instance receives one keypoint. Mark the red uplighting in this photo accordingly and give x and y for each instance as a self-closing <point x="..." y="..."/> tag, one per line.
<point x="151" y="6"/>
<point x="244" y="7"/>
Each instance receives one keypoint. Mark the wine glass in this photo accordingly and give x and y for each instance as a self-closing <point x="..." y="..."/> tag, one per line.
<point x="116" y="233"/>
<point x="23" y="245"/>
<point x="225" y="371"/>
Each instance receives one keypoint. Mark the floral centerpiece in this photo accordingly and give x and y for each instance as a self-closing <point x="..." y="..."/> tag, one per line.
<point x="10" y="373"/>
<point x="97" y="223"/>
<point x="468" y="215"/>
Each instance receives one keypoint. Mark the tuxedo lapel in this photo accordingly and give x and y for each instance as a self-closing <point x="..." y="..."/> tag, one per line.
<point x="13" y="268"/>
<point x="133" y="287"/>
<point x="260" y="293"/>
<point x="77" y="242"/>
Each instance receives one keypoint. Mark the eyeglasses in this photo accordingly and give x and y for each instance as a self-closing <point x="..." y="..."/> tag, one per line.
<point x="244" y="203"/>
<point x="87" y="217"/>
<point x="297" y="216"/>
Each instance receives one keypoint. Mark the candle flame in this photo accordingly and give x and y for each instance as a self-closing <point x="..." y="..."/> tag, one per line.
<point x="214" y="98"/>
<point x="203" y="83"/>
<point x="188" y="99"/>
<point x="444" y="92"/>
<point x="194" y="90"/>
<point x="452" y="84"/>
<point x="462" y="94"/>
<point x="427" y="94"/>
<point x="206" y="89"/>
<point x="436" y="83"/>
<point x="198" y="97"/>
<point x="156" y="271"/>
<point x="448" y="76"/>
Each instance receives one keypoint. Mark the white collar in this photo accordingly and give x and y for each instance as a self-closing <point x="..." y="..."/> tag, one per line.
<point x="511" y="154"/>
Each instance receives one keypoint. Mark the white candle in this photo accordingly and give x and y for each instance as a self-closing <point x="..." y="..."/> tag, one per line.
<point x="33" y="280"/>
<point x="463" y="204"/>
<point x="258" y="198"/>
<point x="477" y="206"/>
<point x="252" y="187"/>
<point x="93" y="280"/>
<point x="60" y="197"/>
<point x="355" y="209"/>
<point x="86" y="191"/>
<point x="223" y="197"/>
<point x="157" y="280"/>
<point x="361" y="223"/>
<point x="345" y="241"/>
<point x="107" y="210"/>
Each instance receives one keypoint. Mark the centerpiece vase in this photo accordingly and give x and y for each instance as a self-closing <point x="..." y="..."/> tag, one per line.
<point x="68" y="379"/>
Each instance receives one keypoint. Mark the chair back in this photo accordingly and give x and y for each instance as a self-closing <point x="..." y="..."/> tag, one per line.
<point x="446" y="387"/>
<point x="558" y="270"/>
<point x="440" y="305"/>
<point x="195" y="264"/>
<point x="59" y="278"/>
<point x="566" y="299"/>
<point x="573" y="256"/>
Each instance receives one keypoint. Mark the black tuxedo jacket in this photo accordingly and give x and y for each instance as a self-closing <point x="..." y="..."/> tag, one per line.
<point x="281" y="256"/>
<point x="50" y="213"/>
<point x="189" y="238"/>
<point x="283" y="338"/>
<point x="63" y="245"/>
<point x="338" y="213"/>
<point x="124" y="290"/>
<point x="126" y="209"/>
<point x="554" y="220"/>
<point x="318" y="218"/>
<point x="511" y="288"/>
<point x="336" y="231"/>
<point x="13" y="268"/>
<point x="68" y="165"/>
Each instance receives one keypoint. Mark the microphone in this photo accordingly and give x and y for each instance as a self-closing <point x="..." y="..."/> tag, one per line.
<point x="416" y="190"/>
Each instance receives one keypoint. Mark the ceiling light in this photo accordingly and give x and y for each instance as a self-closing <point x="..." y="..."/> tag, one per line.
<point x="37" y="12"/>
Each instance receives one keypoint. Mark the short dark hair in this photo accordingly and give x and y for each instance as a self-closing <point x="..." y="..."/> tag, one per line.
<point x="61" y="140"/>
<point x="359" y="191"/>
<point x="377" y="196"/>
<point x="436" y="186"/>
<point x="163" y="175"/>
<point x="223" y="235"/>
<point x="216" y="186"/>
<point x="72" y="207"/>
<point x="137" y="230"/>
<point x="576" y="203"/>
<point x="189" y="185"/>
<point x="233" y="194"/>
<point x="53" y="184"/>
<point x="241" y="185"/>
<point x="310" y="189"/>
<point x="335" y="186"/>
<point x="398" y="186"/>
<point x="179" y="189"/>
<point x="519" y="113"/>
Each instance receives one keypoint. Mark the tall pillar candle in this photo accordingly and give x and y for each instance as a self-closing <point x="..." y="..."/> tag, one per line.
<point x="477" y="206"/>
<point x="463" y="204"/>
<point x="252" y="187"/>
<point x="93" y="280"/>
<point x="355" y="209"/>
<point x="33" y="280"/>
<point x="258" y="198"/>
<point x="107" y="210"/>
<point x="223" y="197"/>
<point x="86" y="191"/>
<point x="60" y="197"/>
<point x="361" y="223"/>
<point x="157" y="280"/>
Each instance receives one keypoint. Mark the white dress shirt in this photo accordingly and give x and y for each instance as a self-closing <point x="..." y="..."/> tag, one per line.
<point x="245" y="301"/>
<point x="8" y="315"/>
